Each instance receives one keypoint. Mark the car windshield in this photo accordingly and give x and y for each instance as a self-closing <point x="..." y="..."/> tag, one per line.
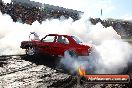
<point x="76" y="39"/>
<point x="48" y="39"/>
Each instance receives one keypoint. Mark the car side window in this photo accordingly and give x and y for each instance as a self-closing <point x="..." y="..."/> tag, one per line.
<point x="48" y="39"/>
<point x="62" y="39"/>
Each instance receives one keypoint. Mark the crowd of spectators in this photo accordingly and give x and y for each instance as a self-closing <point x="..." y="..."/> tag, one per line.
<point x="51" y="13"/>
<point x="21" y="13"/>
<point x="28" y="14"/>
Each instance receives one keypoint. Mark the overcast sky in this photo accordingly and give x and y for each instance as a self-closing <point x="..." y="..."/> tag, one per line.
<point x="120" y="9"/>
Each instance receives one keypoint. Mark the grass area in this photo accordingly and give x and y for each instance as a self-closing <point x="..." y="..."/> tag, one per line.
<point x="127" y="40"/>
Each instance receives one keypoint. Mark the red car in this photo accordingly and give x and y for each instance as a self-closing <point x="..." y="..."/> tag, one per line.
<point x="56" y="45"/>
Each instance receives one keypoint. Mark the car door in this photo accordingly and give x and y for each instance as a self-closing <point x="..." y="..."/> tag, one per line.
<point x="61" y="44"/>
<point x="45" y="46"/>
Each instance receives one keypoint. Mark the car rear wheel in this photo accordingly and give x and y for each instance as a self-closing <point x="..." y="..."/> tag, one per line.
<point x="30" y="51"/>
<point x="71" y="53"/>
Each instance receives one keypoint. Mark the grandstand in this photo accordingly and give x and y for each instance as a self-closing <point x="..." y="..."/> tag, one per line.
<point x="46" y="8"/>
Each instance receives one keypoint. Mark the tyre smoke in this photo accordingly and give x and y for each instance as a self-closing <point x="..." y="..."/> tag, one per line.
<point x="110" y="54"/>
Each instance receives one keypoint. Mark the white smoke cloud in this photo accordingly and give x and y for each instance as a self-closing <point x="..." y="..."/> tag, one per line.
<point x="110" y="52"/>
<point x="114" y="55"/>
<point x="109" y="55"/>
<point x="11" y="34"/>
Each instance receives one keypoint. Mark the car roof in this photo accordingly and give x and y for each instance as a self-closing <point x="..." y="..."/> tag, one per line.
<point x="57" y="35"/>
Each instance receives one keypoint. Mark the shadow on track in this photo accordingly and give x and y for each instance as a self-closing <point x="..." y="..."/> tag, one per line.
<point x="49" y="61"/>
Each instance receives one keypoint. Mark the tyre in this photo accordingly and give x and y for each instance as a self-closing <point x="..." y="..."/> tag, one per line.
<point x="71" y="53"/>
<point x="30" y="51"/>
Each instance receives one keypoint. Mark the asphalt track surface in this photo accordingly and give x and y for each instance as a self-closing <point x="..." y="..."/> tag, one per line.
<point x="20" y="71"/>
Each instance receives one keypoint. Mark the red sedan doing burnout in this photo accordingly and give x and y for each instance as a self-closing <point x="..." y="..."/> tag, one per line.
<point x="56" y="45"/>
